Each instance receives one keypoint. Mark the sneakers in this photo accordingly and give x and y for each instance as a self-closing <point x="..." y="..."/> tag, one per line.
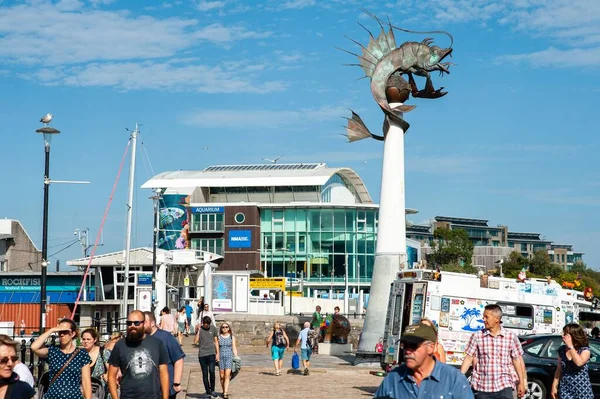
<point x="306" y="372"/>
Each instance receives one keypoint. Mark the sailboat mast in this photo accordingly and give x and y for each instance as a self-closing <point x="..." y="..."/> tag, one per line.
<point x="129" y="217"/>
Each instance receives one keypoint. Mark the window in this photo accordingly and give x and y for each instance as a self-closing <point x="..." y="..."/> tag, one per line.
<point x="3" y="266"/>
<point x="524" y="247"/>
<point x="239" y="218"/>
<point x="551" y="349"/>
<point x="361" y="221"/>
<point x="535" y="348"/>
<point x="518" y="316"/>
<point x="207" y="222"/>
<point x="214" y="245"/>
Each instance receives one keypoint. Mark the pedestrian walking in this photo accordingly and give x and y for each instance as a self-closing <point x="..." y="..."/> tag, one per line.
<point x="167" y="322"/>
<point x="11" y="387"/>
<point x="440" y="352"/>
<point x="188" y="314"/>
<point x="206" y="313"/>
<point x="422" y="375"/>
<point x="22" y="331"/>
<point x="114" y="338"/>
<point x="317" y="320"/>
<point x="200" y="308"/>
<point x="18" y="367"/>
<point x="499" y="355"/>
<point x="181" y="324"/>
<point x="226" y="350"/>
<point x="207" y="340"/>
<point x="69" y="366"/>
<point x="279" y="343"/>
<point x="571" y="378"/>
<point x="98" y="355"/>
<point x="142" y="360"/>
<point x="305" y="347"/>
<point x="176" y="355"/>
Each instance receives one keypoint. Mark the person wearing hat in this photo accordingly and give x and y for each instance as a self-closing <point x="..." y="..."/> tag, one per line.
<point x="422" y="375"/>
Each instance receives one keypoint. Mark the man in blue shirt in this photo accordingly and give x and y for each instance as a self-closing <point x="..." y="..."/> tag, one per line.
<point x="176" y="355"/>
<point x="188" y="315"/>
<point x="421" y="376"/>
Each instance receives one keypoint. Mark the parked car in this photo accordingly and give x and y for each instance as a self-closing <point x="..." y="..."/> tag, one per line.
<point x="540" y="357"/>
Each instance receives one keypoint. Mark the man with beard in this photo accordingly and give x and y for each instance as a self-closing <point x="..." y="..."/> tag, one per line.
<point x="422" y="375"/>
<point x="176" y="355"/>
<point x="142" y="360"/>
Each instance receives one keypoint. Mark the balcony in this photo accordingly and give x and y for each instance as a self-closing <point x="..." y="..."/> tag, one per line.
<point x="207" y="227"/>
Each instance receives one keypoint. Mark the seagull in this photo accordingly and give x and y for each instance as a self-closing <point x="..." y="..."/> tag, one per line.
<point x="272" y="160"/>
<point x="47" y="118"/>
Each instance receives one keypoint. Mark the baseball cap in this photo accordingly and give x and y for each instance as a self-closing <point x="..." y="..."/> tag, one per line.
<point x="418" y="333"/>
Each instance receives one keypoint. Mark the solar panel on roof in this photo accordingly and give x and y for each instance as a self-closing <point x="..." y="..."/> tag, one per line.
<point x="237" y="168"/>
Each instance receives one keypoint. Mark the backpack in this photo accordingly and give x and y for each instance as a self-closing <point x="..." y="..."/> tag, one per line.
<point x="312" y="339"/>
<point x="278" y="339"/>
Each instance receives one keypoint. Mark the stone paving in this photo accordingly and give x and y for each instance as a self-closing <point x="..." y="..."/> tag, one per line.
<point x="330" y="375"/>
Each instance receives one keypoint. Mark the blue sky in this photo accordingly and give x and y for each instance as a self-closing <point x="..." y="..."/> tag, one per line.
<point x="515" y="141"/>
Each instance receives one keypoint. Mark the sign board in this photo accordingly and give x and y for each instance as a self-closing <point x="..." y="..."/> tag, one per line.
<point x="144" y="299"/>
<point x="144" y="279"/>
<point x="240" y="238"/>
<point x="207" y="209"/>
<point x="295" y="293"/>
<point x="267" y="283"/>
<point x="186" y="282"/>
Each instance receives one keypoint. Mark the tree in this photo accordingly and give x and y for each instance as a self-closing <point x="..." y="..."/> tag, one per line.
<point x="513" y="264"/>
<point x="451" y="247"/>
<point x="541" y="265"/>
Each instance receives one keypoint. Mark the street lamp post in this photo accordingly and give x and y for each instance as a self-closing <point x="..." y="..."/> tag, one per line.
<point x="48" y="132"/>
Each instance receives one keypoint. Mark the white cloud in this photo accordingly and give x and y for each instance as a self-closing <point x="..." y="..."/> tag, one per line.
<point x="69" y="43"/>
<point x="101" y="2"/>
<point x="261" y="119"/>
<point x="209" y="5"/>
<point x="157" y="76"/>
<point x="552" y="57"/>
<point x="296" y="4"/>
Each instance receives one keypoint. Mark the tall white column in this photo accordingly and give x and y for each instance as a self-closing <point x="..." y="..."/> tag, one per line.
<point x="161" y="289"/>
<point x="390" y="254"/>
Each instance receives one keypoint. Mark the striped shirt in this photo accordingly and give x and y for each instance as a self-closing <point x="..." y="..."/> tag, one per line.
<point x="494" y="370"/>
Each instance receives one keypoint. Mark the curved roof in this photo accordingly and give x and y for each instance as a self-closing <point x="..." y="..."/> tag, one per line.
<point x="270" y="175"/>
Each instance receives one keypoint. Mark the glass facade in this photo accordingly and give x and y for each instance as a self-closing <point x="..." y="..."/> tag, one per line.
<point x="316" y="241"/>
<point x="207" y="222"/>
<point x="214" y="245"/>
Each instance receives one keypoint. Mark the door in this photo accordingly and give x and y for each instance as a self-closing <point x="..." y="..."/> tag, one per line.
<point x="393" y="325"/>
<point x="417" y="303"/>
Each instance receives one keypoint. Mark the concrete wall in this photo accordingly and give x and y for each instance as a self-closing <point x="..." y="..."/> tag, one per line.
<point x="20" y="252"/>
<point x="254" y="329"/>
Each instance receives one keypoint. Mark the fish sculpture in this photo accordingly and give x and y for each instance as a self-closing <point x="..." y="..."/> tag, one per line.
<point x="386" y="64"/>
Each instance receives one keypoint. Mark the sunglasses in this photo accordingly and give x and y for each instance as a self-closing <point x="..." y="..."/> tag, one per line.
<point x="411" y="346"/>
<point x="5" y="360"/>
<point x="64" y="332"/>
<point x="224" y="327"/>
<point x="136" y="323"/>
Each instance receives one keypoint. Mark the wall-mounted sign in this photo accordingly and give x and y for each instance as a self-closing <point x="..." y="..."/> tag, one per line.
<point x="240" y="238"/>
<point x="144" y="279"/>
<point x="267" y="283"/>
<point x="207" y="209"/>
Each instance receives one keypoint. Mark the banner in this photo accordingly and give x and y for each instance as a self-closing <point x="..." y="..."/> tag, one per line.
<point x="222" y="293"/>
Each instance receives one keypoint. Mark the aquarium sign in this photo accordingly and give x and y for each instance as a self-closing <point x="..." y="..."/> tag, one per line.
<point x="240" y="239"/>
<point x="208" y="209"/>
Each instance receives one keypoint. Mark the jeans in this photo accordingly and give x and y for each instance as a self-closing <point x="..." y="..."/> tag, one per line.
<point x="207" y="363"/>
<point x="506" y="393"/>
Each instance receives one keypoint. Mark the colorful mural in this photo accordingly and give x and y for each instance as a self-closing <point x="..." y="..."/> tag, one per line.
<point x="172" y="222"/>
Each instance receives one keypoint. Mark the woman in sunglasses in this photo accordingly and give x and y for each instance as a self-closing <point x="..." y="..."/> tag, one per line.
<point x="10" y="385"/>
<point x="70" y="372"/>
<point x="226" y="350"/>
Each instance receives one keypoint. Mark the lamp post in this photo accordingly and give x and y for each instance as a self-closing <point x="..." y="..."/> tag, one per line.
<point x="48" y="132"/>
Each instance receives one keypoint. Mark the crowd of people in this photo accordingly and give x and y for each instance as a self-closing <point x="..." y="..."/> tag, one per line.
<point x="495" y="358"/>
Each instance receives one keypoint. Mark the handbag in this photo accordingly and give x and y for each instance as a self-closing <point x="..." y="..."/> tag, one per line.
<point x="295" y="361"/>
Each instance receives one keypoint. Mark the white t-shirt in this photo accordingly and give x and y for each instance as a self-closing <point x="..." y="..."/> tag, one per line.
<point x="24" y="373"/>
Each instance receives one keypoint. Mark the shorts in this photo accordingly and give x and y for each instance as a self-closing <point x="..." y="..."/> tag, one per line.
<point x="277" y="352"/>
<point x="181" y="327"/>
<point x="189" y="320"/>
<point x="305" y="353"/>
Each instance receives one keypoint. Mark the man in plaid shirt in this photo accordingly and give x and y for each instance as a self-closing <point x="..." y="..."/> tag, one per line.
<point x="499" y="354"/>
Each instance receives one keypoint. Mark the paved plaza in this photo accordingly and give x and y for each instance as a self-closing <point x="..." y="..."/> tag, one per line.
<point x="330" y="376"/>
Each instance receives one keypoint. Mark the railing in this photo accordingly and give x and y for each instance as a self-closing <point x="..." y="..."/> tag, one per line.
<point x="354" y="315"/>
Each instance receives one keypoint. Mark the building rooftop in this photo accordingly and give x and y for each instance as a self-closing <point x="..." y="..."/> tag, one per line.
<point x="463" y="221"/>
<point x="418" y="229"/>
<point x="269" y="175"/>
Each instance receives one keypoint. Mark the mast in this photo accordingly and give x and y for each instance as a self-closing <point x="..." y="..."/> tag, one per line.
<point x="129" y="216"/>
